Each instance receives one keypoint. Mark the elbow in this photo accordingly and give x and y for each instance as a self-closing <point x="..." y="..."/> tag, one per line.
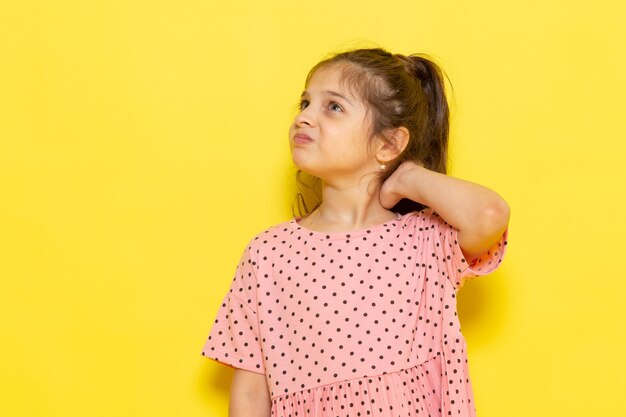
<point x="496" y="216"/>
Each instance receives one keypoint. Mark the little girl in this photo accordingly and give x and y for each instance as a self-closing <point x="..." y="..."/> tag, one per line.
<point x="350" y="310"/>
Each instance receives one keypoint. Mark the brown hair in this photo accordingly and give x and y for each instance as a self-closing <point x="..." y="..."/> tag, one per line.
<point x="397" y="90"/>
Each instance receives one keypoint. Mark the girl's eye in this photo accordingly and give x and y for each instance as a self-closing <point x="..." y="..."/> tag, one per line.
<point x="335" y="105"/>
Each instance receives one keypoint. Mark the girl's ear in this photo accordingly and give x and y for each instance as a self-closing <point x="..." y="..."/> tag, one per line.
<point x="400" y="139"/>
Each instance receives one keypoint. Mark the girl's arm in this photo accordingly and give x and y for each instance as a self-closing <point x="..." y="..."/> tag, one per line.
<point x="249" y="395"/>
<point x="480" y="214"/>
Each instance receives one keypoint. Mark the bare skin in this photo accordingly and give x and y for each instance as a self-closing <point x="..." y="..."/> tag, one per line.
<point x="249" y="395"/>
<point x="480" y="214"/>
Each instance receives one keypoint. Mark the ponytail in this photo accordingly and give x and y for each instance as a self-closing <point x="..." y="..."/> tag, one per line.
<point x="437" y="125"/>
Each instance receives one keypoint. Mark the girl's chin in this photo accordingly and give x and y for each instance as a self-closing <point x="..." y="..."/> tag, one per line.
<point x="307" y="169"/>
<point x="303" y="164"/>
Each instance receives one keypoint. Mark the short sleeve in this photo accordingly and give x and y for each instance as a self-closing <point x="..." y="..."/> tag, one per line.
<point x="450" y="256"/>
<point x="234" y="339"/>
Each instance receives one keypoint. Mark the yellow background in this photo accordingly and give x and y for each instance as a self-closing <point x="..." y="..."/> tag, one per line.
<point x="142" y="143"/>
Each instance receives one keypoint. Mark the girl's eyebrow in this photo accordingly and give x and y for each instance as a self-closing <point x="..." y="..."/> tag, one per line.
<point x="329" y="92"/>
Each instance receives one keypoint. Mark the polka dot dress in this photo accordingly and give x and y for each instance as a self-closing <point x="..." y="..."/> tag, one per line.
<point x="349" y="324"/>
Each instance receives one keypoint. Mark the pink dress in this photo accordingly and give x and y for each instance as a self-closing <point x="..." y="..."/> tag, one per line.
<point x="359" y="323"/>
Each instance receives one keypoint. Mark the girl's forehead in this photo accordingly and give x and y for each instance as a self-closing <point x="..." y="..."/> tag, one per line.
<point x="327" y="76"/>
<point x="332" y="77"/>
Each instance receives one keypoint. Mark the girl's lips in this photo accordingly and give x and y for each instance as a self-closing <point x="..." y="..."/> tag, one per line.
<point x="302" y="138"/>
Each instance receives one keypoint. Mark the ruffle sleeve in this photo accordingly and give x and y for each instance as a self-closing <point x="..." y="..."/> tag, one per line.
<point x="448" y="250"/>
<point x="234" y="339"/>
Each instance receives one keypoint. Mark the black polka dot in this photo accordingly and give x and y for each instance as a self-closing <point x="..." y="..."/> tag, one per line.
<point x="343" y="321"/>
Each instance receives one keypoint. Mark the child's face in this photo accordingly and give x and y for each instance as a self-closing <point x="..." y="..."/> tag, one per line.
<point x="337" y="127"/>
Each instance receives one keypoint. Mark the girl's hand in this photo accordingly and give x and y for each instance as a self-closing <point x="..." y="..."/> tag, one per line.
<point x="391" y="190"/>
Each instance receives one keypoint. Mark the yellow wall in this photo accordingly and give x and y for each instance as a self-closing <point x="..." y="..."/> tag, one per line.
<point x="143" y="143"/>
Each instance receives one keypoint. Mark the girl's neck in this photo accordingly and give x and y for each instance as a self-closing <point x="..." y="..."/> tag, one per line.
<point x="348" y="208"/>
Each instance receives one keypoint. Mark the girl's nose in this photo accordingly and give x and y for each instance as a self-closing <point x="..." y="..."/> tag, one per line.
<point x="305" y="117"/>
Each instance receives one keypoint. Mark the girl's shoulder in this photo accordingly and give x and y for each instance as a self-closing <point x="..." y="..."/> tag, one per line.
<point x="426" y="216"/>
<point x="271" y="233"/>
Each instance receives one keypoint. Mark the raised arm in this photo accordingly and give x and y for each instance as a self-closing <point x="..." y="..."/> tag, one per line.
<point x="479" y="213"/>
